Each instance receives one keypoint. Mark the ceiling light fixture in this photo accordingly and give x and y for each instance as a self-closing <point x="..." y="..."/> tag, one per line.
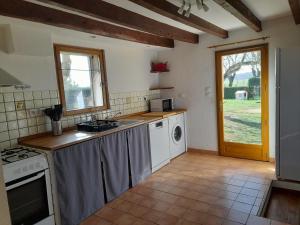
<point x="181" y="9"/>
<point x="188" y="11"/>
<point x="187" y="6"/>
<point x="204" y="6"/>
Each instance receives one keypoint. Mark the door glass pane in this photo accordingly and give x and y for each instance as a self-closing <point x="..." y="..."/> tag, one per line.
<point x="242" y="97"/>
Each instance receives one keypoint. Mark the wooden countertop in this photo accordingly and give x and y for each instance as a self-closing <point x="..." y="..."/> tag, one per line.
<point x="164" y="114"/>
<point x="49" y="142"/>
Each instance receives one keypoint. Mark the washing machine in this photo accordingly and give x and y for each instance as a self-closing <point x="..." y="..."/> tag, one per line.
<point x="177" y="134"/>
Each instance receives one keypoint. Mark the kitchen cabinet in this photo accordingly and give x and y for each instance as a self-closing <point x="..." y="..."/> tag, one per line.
<point x="114" y="160"/>
<point x="139" y="153"/>
<point x="91" y="173"/>
<point x="79" y="181"/>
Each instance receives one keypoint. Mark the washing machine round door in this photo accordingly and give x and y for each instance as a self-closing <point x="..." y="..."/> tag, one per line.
<point x="177" y="134"/>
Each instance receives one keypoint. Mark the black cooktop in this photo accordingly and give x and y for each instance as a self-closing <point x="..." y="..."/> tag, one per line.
<point x="97" y="125"/>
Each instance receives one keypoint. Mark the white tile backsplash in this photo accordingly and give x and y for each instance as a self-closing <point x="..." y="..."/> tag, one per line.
<point x="29" y="104"/>
<point x="30" y="119"/>
<point x="22" y="123"/>
<point x="2" y="107"/>
<point x="53" y="94"/>
<point x="5" y="144"/>
<point x="45" y="94"/>
<point x="37" y="95"/>
<point x="4" y="136"/>
<point x="12" y="125"/>
<point x="2" y="117"/>
<point x="54" y="101"/>
<point x="21" y="114"/>
<point x="10" y="106"/>
<point x="28" y="95"/>
<point x="31" y="122"/>
<point x="38" y="103"/>
<point x="24" y="132"/>
<point x="32" y="130"/>
<point x="3" y="126"/>
<point x="11" y="116"/>
<point x="46" y="102"/>
<point x="18" y="96"/>
<point x="14" y="134"/>
<point x="8" y="97"/>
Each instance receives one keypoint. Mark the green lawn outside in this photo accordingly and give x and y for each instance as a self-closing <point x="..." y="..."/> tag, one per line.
<point x="242" y="121"/>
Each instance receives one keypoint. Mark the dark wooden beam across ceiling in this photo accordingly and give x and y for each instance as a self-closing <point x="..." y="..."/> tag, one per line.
<point x="295" y="7"/>
<point x="106" y="11"/>
<point x="41" y="14"/>
<point x="169" y="10"/>
<point x="242" y="12"/>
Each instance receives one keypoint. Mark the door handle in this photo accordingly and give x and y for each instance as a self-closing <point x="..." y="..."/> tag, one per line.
<point x="159" y="125"/>
<point x="38" y="176"/>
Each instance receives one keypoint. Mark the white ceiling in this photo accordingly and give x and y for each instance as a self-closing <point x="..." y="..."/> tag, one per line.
<point x="263" y="9"/>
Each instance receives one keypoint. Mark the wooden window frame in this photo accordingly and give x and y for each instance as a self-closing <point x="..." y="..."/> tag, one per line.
<point x="100" y="53"/>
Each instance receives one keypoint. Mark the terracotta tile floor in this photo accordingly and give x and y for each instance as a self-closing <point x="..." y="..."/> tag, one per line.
<point x="194" y="189"/>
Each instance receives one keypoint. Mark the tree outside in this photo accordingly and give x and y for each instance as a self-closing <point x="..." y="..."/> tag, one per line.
<point x="242" y="115"/>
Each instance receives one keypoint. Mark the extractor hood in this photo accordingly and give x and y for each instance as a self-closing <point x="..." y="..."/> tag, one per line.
<point x="8" y="80"/>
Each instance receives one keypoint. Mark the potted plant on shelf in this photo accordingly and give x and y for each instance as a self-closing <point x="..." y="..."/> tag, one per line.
<point x="159" y="67"/>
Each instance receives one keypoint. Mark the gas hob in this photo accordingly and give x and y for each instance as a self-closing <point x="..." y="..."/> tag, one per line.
<point x="15" y="154"/>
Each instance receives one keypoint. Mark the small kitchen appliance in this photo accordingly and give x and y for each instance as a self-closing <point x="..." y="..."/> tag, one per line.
<point x="162" y="105"/>
<point x="27" y="182"/>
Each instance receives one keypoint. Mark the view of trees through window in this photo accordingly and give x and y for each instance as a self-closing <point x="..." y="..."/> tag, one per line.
<point x="242" y="97"/>
<point x="81" y="78"/>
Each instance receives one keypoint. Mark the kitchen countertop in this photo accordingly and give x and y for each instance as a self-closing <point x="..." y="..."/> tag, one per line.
<point x="49" y="142"/>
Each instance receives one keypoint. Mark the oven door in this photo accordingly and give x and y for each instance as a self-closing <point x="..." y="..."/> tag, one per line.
<point x="30" y="199"/>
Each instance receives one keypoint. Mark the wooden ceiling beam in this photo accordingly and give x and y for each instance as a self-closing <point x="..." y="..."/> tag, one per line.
<point x="169" y="10"/>
<point x="242" y="12"/>
<point x="41" y="14"/>
<point x="112" y="13"/>
<point x="295" y="7"/>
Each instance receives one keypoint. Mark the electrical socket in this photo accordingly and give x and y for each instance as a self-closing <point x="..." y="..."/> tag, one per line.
<point x="20" y="105"/>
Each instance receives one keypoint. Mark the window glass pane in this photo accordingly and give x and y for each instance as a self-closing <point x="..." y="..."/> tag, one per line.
<point x="78" y="90"/>
<point x="82" y="80"/>
<point x="74" y="61"/>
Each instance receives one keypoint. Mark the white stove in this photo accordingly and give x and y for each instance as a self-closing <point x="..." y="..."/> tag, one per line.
<point x="21" y="161"/>
<point x="28" y="186"/>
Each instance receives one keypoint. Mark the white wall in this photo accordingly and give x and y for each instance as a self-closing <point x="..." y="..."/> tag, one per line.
<point x="193" y="74"/>
<point x="32" y="59"/>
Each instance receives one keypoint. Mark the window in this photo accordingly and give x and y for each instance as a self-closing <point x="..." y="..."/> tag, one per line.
<point x="81" y="79"/>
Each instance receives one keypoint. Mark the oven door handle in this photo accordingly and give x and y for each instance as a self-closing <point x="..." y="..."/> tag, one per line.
<point x="36" y="177"/>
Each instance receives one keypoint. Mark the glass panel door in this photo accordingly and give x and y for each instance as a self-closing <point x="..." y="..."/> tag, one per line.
<point x="242" y="95"/>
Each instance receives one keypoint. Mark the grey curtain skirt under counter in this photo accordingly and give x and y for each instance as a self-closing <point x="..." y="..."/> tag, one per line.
<point x="114" y="157"/>
<point x="139" y="153"/>
<point x="106" y="167"/>
<point x="79" y="181"/>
